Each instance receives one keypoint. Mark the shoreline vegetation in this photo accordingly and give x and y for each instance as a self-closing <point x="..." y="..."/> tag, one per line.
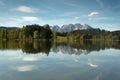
<point x="37" y="32"/>
<point x="37" y="46"/>
<point x="35" y="39"/>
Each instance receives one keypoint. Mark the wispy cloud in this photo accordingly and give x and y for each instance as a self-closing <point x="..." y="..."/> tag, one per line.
<point x="24" y="68"/>
<point x="25" y="9"/>
<point x="92" y="65"/>
<point x="101" y="18"/>
<point x="29" y="19"/>
<point x="78" y="17"/>
<point x="93" y="13"/>
<point x="25" y="19"/>
<point x="100" y="3"/>
<point x="29" y="58"/>
<point x="108" y="26"/>
<point x="20" y="21"/>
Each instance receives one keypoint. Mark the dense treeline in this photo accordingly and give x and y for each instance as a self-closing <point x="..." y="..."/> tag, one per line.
<point x="44" y="32"/>
<point x="27" y="32"/>
<point x="93" y="34"/>
<point x="45" y="46"/>
<point x="35" y="46"/>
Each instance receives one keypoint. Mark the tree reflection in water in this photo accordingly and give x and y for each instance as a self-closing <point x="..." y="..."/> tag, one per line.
<point x="46" y="46"/>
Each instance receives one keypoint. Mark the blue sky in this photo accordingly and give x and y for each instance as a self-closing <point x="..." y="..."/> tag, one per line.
<point x="104" y="14"/>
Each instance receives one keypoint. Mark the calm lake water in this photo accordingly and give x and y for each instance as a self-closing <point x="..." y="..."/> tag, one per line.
<point x="84" y="60"/>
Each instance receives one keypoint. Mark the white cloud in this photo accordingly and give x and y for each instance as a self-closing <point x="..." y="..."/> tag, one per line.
<point x="20" y="21"/>
<point x="25" y="19"/>
<point x="29" y="19"/>
<point x="25" y="68"/>
<point x="93" y="13"/>
<point x="92" y="65"/>
<point x="29" y="58"/>
<point x="25" y="9"/>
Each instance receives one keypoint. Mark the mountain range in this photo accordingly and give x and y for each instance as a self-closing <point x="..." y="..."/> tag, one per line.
<point x="62" y="29"/>
<point x="71" y="27"/>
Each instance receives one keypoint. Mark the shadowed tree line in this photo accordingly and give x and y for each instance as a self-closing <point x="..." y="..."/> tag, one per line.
<point x="91" y="45"/>
<point x="36" y="38"/>
<point x="30" y="32"/>
<point x="91" y="34"/>
<point x="27" y="32"/>
<point x="37" y="46"/>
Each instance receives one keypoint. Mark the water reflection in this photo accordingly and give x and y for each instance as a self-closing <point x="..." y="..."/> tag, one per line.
<point x="101" y="64"/>
<point x="44" y="47"/>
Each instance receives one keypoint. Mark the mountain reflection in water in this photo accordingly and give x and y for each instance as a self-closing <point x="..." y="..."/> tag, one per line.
<point x="44" y="47"/>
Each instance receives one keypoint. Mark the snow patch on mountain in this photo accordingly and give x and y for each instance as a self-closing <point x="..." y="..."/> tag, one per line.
<point x="71" y="27"/>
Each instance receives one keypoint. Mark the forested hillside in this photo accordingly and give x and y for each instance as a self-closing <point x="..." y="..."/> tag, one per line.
<point x="44" y="32"/>
<point x="27" y="32"/>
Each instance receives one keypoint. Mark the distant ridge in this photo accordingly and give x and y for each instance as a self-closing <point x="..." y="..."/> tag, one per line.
<point x="71" y="27"/>
<point x="8" y="28"/>
<point x="62" y="29"/>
